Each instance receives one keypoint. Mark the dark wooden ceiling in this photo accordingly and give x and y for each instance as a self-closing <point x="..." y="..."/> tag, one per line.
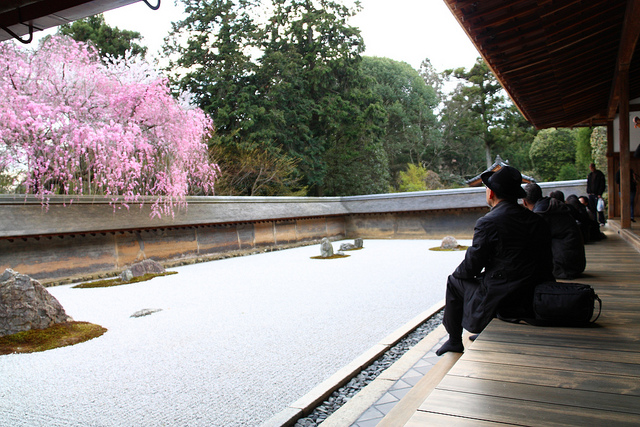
<point x="558" y="59"/>
<point x="18" y="15"/>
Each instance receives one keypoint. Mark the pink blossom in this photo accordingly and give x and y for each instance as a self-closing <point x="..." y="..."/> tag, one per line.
<point x="77" y="126"/>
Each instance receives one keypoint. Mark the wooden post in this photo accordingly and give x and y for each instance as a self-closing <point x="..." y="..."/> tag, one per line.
<point x="625" y="174"/>
<point x="611" y="172"/>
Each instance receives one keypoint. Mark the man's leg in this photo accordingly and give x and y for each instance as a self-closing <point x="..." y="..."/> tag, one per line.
<point x="453" y="311"/>
<point x="593" y="202"/>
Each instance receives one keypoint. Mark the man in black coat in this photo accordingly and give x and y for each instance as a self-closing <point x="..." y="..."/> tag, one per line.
<point x="510" y="254"/>
<point x="596" y="185"/>
<point x="567" y="245"/>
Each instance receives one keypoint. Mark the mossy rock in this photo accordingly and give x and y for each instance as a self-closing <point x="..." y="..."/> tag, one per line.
<point x="58" y="335"/>
<point x="118" y="281"/>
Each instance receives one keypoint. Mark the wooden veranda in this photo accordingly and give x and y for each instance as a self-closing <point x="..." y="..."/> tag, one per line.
<point x="535" y="376"/>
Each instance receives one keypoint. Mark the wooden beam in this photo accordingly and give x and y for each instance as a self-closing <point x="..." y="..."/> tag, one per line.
<point x="628" y="41"/>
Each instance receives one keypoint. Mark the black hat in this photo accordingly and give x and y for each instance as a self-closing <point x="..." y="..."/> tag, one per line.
<point x="506" y="183"/>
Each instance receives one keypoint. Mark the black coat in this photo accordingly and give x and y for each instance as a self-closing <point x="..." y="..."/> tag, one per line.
<point x="596" y="183"/>
<point x="510" y="254"/>
<point x="567" y="245"/>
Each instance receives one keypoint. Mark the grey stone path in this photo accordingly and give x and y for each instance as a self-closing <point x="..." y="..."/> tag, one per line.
<point x="372" y="416"/>
<point x="237" y="340"/>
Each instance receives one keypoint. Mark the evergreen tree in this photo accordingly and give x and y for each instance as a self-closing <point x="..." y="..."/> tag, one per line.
<point x="290" y="84"/>
<point x="411" y="130"/>
<point x="108" y="40"/>
<point x="553" y="149"/>
<point x="462" y="155"/>
<point x="485" y="98"/>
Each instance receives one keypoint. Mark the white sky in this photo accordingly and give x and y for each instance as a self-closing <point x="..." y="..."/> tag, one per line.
<point x="404" y="30"/>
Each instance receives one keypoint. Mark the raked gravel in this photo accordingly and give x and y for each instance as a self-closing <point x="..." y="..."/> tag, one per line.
<point x="236" y="340"/>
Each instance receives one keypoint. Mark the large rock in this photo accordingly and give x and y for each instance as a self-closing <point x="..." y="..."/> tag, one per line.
<point x="25" y="304"/>
<point x="148" y="266"/>
<point x="449" y="242"/>
<point x="326" y="248"/>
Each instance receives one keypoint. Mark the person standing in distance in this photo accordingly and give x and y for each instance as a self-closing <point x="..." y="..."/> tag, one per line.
<point x="595" y="187"/>
<point x="509" y="256"/>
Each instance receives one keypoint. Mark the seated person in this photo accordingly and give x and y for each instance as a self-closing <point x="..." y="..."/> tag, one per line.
<point x="509" y="256"/>
<point x="558" y="195"/>
<point x="584" y="200"/>
<point x="567" y="246"/>
<point x="588" y="225"/>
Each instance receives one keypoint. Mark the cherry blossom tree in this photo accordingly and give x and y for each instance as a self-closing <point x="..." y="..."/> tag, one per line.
<point x="75" y="125"/>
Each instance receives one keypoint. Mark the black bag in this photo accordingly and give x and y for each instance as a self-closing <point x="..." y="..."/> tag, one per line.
<point x="565" y="304"/>
<point x="561" y="304"/>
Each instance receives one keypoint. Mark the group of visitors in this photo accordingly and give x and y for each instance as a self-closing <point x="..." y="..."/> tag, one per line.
<point x="514" y="248"/>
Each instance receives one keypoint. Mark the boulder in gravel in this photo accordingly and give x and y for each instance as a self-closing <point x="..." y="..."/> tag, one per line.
<point x="148" y="266"/>
<point x="326" y="248"/>
<point x="357" y="244"/>
<point x="25" y="304"/>
<point x="449" y="242"/>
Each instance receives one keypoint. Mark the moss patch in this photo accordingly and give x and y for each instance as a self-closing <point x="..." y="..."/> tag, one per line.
<point x="459" y="248"/>
<point x="118" y="281"/>
<point x="334" y="256"/>
<point x="58" y="335"/>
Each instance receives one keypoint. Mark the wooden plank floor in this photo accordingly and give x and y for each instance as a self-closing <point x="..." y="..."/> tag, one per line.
<point x="533" y="376"/>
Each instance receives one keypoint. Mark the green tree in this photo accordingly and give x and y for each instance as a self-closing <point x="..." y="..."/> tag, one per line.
<point x="485" y="99"/>
<point x="411" y="130"/>
<point x="583" y="151"/>
<point x="553" y="149"/>
<point x="110" y="41"/>
<point x="599" y="148"/>
<point x="254" y="171"/>
<point x="513" y="139"/>
<point x="433" y="79"/>
<point x="417" y="178"/>
<point x="290" y="82"/>
<point x="215" y="65"/>
<point x="462" y="155"/>
<point x="413" y="179"/>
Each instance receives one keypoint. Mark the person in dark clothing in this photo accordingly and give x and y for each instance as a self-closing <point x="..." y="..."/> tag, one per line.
<point x="632" y="177"/>
<point x="567" y="246"/>
<point x="596" y="185"/>
<point x="510" y="254"/>
<point x="586" y="220"/>
<point x="558" y="195"/>
<point x="584" y="201"/>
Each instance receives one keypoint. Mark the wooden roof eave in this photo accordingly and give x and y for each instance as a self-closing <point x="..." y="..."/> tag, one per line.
<point x="628" y="42"/>
<point x="489" y="64"/>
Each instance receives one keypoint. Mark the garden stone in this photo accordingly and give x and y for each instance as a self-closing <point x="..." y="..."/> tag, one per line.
<point x="126" y="275"/>
<point x="347" y="246"/>
<point x="148" y="266"/>
<point x="326" y="248"/>
<point x="25" y="304"/>
<point x="449" y="242"/>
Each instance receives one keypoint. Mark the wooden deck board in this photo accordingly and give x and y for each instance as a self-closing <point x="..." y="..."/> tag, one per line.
<point x="517" y="374"/>
<point x="567" y="352"/>
<point x="588" y="381"/>
<point x="522" y="412"/>
<point x="551" y="394"/>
